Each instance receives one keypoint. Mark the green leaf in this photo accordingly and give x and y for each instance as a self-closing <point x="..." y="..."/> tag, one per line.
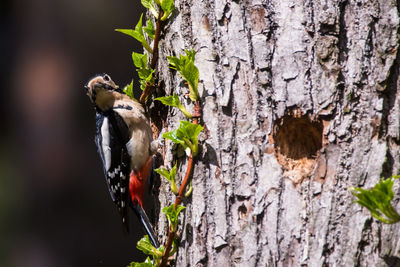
<point x="174" y="62"/>
<point x="163" y="172"/>
<point x="185" y="66"/>
<point x="175" y="137"/>
<point x="170" y="176"/>
<point x="146" y="247"/>
<point x="142" y="85"/>
<point x="186" y="135"/>
<point x="189" y="191"/>
<point x="191" y="54"/>
<point x="173" y="172"/>
<point x="190" y="130"/>
<point x="146" y="263"/>
<point x="377" y="200"/>
<point x="172" y="215"/>
<point x="128" y="90"/>
<point x="129" y="32"/>
<point x="167" y="6"/>
<point x="149" y="77"/>
<point x="149" y="4"/>
<point x="145" y="73"/>
<point x="138" y="34"/>
<point x="149" y="29"/>
<point x="191" y="75"/>
<point x="174" y="247"/>
<point x="139" y="60"/>
<point x="173" y="101"/>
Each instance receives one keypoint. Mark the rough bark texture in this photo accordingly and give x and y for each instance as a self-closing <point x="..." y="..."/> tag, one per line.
<point x="300" y="102"/>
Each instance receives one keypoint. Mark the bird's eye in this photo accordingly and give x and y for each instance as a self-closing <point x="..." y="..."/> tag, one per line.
<point x="106" y="78"/>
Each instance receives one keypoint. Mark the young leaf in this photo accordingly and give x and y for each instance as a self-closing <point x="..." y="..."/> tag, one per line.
<point x="149" y="4"/>
<point x="174" y="247"/>
<point x="191" y="54"/>
<point x="172" y="215"/>
<point x="175" y="136"/>
<point x="139" y="60"/>
<point x="149" y="29"/>
<point x="185" y="66"/>
<point x="149" y="77"/>
<point x="167" y="6"/>
<point x="191" y="131"/>
<point x="128" y="90"/>
<point x="174" y="62"/>
<point x="189" y="191"/>
<point x="173" y="101"/>
<point x="146" y="263"/>
<point x="191" y="75"/>
<point x="186" y="135"/>
<point x="163" y="172"/>
<point x="170" y="176"/>
<point x="138" y="34"/>
<point x="145" y="73"/>
<point x="147" y="248"/>
<point x="377" y="200"/>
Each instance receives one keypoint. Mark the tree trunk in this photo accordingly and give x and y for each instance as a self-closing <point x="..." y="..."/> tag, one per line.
<point x="300" y="101"/>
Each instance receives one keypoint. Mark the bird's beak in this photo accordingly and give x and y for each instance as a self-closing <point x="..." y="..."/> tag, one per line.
<point x="87" y="90"/>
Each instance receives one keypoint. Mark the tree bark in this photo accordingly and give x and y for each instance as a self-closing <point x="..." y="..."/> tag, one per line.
<point x="300" y="101"/>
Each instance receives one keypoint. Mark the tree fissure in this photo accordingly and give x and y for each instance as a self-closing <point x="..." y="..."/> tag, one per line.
<point x="364" y="242"/>
<point x="278" y="220"/>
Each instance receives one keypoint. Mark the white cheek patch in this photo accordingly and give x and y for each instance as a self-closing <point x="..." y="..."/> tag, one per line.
<point x="105" y="143"/>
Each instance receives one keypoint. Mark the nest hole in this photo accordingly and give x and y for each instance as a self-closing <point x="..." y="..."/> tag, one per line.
<point x="298" y="137"/>
<point x="242" y="210"/>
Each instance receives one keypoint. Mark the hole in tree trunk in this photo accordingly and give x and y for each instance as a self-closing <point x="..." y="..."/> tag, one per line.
<point x="297" y="139"/>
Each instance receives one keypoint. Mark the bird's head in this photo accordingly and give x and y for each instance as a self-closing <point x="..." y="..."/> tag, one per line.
<point x="100" y="89"/>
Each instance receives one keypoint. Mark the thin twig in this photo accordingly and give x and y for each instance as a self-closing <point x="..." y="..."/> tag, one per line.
<point x="149" y="87"/>
<point x="159" y="25"/>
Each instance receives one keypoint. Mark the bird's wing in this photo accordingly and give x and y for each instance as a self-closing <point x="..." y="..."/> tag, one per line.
<point x="111" y="137"/>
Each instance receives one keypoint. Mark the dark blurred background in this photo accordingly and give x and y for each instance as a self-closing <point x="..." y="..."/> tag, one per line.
<point x="55" y="209"/>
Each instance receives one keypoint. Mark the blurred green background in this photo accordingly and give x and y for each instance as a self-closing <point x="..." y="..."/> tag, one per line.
<point x="55" y="209"/>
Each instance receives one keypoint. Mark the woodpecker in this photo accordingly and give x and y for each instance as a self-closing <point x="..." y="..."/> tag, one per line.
<point x="125" y="144"/>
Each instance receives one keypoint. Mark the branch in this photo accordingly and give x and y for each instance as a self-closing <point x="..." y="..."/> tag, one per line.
<point x="149" y="88"/>
<point x="182" y="189"/>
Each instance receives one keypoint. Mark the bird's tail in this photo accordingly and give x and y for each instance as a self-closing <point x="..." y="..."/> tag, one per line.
<point x="146" y="223"/>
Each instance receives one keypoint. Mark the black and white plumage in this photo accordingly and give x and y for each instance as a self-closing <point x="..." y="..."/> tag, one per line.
<point x="124" y="142"/>
<point x="111" y="147"/>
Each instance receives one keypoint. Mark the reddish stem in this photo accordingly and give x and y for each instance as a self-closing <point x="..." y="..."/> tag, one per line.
<point x="185" y="182"/>
<point x="159" y="25"/>
<point x="149" y="88"/>
<point x="182" y="190"/>
<point x="179" y="199"/>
